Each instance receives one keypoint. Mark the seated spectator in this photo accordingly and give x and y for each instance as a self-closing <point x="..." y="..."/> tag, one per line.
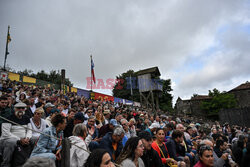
<point x="53" y="112"/>
<point x="128" y="133"/>
<point x="50" y="147"/>
<point x="11" y="133"/>
<point x="48" y="107"/>
<point x="112" y="142"/>
<point x="5" y="111"/>
<point x="173" y="144"/>
<point x="78" y="118"/>
<point x="150" y="156"/>
<point x="131" y="153"/>
<point x="152" y="128"/>
<point x="205" y="156"/>
<point x="81" y="139"/>
<point x="37" y="123"/>
<point x="107" y="128"/>
<point x="159" y="146"/>
<point x="99" y="158"/>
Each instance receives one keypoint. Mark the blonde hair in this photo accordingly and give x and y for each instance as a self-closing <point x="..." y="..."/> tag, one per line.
<point x="39" y="110"/>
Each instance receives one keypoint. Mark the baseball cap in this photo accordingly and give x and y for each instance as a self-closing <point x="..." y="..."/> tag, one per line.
<point x="20" y="104"/>
<point x="113" y="122"/>
<point x="154" y="125"/>
<point x="54" y="110"/>
<point x="49" y="105"/>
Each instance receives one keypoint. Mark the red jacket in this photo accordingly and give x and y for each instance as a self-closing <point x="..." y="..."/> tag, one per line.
<point x="156" y="148"/>
<point x="200" y="164"/>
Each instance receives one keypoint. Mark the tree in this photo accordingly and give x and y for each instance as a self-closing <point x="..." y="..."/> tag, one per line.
<point x="219" y="101"/>
<point x="122" y="90"/>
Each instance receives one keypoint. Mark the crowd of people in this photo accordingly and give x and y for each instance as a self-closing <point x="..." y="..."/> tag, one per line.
<point x="35" y="121"/>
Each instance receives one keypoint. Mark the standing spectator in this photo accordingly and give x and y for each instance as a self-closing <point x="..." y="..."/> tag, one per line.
<point x="131" y="153"/>
<point x="12" y="133"/>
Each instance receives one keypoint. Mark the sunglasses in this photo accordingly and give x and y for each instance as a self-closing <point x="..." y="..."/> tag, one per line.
<point x="22" y="108"/>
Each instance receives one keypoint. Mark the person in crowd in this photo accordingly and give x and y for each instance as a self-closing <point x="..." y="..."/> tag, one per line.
<point x="65" y="108"/>
<point x="90" y="124"/>
<point x="53" y="112"/>
<point x="37" y="123"/>
<point x="159" y="146"/>
<point x="131" y="153"/>
<point x="41" y="102"/>
<point x="11" y="133"/>
<point x="88" y="113"/>
<point x="28" y="111"/>
<point x="107" y="128"/>
<point x="78" y="118"/>
<point x="152" y="128"/>
<point x="5" y="111"/>
<point x="205" y="157"/>
<point x="128" y="132"/>
<point x="48" y="107"/>
<point x="50" y="147"/>
<point x="39" y="162"/>
<point x="99" y="119"/>
<point x="112" y="142"/>
<point x="106" y="114"/>
<point x="173" y="145"/>
<point x="32" y="106"/>
<point x="220" y="147"/>
<point x="81" y="139"/>
<point x="150" y="156"/>
<point x="99" y="158"/>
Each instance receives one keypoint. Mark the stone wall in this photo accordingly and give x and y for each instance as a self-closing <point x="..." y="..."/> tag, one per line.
<point x="239" y="116"/>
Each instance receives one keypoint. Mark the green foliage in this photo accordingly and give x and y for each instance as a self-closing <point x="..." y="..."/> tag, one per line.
<point x="165" y="100"/>
<point x="219" y="101"/>
<point x="53" y="76"/>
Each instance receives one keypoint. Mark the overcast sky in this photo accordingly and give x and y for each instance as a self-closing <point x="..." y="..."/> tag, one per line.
<point x="199" y="45"/>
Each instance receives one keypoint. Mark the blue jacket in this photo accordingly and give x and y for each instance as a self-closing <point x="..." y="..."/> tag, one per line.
<point x="106" y="143"/>
<point x="47" y="144"/>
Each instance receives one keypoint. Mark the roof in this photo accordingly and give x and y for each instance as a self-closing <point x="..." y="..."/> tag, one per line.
<point x="152" y="70"/>
<point x="242" y="87"/>
<point x="201" y="97"/>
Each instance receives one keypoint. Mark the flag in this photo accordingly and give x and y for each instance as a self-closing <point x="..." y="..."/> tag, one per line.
<point x="8" y="37"/>
<point x="92" y="70"/>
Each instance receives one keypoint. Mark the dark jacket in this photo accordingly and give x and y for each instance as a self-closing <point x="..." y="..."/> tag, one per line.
<point x="151" y="159"/>
<point x="172" y="147"/>
<point x="104" y="130"/>
<point x="106" y="143"/>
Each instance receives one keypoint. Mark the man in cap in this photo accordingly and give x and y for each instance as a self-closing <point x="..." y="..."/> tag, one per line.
<point x="47" y="108"/>
<point x="150" y="156"/>
<point x="11" y="133"/>
<point x="107" y="128"/>
<point x="153" y="128"/>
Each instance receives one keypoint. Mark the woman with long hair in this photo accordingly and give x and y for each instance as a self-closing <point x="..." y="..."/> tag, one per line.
<point x="159" y="146"/>
<point x="131" y="153"/>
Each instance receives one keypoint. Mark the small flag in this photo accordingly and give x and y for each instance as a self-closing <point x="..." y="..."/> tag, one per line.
<point x="92" y="69"/>
<point x="8" y="35"/>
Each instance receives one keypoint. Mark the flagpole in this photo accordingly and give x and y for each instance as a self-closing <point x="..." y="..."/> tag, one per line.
<point x="91" y="71"/>
<point x="6" y="50"/>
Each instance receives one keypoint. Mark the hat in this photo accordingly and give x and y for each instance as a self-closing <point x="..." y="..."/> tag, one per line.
<point x="197" y="124"/>
<point x="106" y="112"/>
<point x="79" y="116"/>
<point x="49" y="105"/>
<point x="54" y="110"/>
<point x="145" y="135"/>
<point x="20" y="104"/>
<point x="154" y="125"/>
<point x="141" y="115"/>
<point x="113" y="122"/>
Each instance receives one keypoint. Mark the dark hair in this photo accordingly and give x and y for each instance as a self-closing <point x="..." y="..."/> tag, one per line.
<point x="3" y="98"/>
<point x="95" y="158"/>
<point x="129" y="150"/>
<point x="145" y="135"/>
<point x="219" y="143"/>
<point x="177" y="133"/>
<point x="58" y="118"/>
<point x="158" y="129"/>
